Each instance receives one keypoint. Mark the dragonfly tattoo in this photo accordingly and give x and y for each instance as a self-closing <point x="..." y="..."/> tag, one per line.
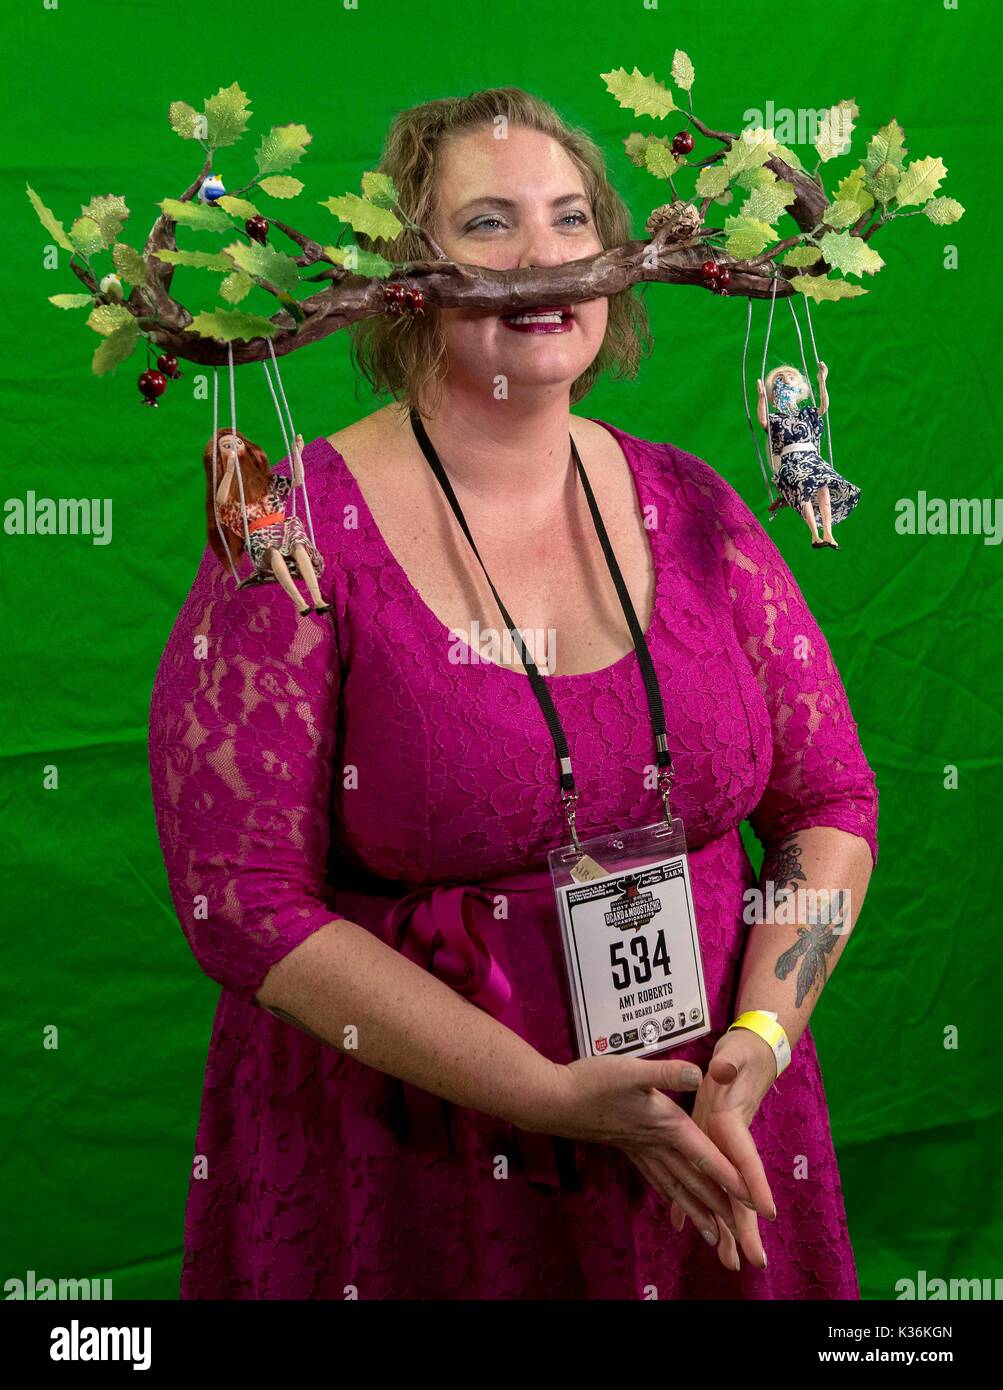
<point x="782" y="865"/>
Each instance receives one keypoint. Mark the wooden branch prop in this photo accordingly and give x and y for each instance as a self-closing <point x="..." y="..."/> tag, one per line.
<point x="746" y="257"/>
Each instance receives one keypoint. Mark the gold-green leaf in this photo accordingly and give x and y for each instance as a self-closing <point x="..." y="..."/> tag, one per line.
<point x="129" y="263"/>
<point x="943" y="211"/>
<point x="70" y="301"/>
<point x="712" y="181"/>
<point x="379" y="189"/>
<point x="236" y="287"/>
<point x="886" y="147"/>
<point x="115" y="348"/>
<point x="754" y="178"/>
<point x="645" y="96"/>
<point x="264" y="263"/>
<point x="682" y="70"/>
<point x="237" y="207"/>
<point x="281" y="186"/>
<point x="230" y="325"/>
<point x="768" y="201"/>
<point x="359" y="262"/>
<point x="849" y="253"/>
<point x="281" y="147"/>
<point x="364" y="217"/>
<point x="200" y="217"/>
<point x="840" y="214"/>
<point x="108" y="318"/>
<point x="788" y="156"/>
<point x="820" y="288"/>
<point x="198" y="260"/>
<point x="800" y="256"/>
<point x="49" y="221"/>
<point x="86" y="236"/>
<point x="226" y="116"/>
<point x="747" y="236"/>
<point x="659" y="160"/>
<point x="751" y="150"/>
<point x="852" y="189"/>
<point x="884" y="182"/>
<point x="835" y="129"/>
<point x="919" y="181"/>
<point x="109" y="212"/>
<point x="186" y="121"/>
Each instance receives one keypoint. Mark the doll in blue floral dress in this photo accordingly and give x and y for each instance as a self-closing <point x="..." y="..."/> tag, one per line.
<point x="802" y="477"/>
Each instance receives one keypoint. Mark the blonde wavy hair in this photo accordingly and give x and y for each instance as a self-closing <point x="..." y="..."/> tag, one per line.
<point x="406" y="357"/>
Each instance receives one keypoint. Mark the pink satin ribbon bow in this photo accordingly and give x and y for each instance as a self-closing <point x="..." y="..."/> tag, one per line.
<point x="437" y="928"/>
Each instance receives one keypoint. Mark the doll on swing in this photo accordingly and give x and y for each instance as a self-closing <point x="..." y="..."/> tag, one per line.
<point x="280" y="547"/>
<point x="802" y="477"/>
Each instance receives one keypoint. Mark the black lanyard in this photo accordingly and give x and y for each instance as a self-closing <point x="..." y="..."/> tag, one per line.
<point x="663" y="758"/>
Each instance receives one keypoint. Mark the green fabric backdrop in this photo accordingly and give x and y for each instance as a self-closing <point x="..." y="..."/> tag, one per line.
<point x="99" y="1131"/>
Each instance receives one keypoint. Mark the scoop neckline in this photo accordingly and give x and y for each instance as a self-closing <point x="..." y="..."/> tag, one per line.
<point x="615" y="668"/>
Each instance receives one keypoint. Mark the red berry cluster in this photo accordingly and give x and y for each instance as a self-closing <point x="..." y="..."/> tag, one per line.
<point x="682" y="143"/>
<point x="402" y="299"/>
<point x="152" y="384"/>
<point x="716" y="277"/>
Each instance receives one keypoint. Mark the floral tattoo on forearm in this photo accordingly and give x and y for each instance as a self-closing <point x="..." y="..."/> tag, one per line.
<point x="782" y="867"/>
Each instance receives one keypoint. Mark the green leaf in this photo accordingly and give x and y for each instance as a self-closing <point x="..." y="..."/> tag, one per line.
<point x="852" y="189"/>
<point x="659" y="160"/>
<point x="115" y="348"/>
<point x="645" y="96"/>
<point x="820" y="288"/>
<point x="49" y="221"/>
<point x="841" y="213"/>
<point x="755" y="178"/>
<point x="86" y="236"/>
<point x="70" y="301"/>
<point x="200" y="217"/>
<point x="886" y="147"/>
<point x="884" y="182"/>
<point x="748" y="236"/>
<point x="789" y="157"/>
<point x="943" y="211"/>
<point x="835" y="130"/>
<point x="230" y="325"/>
<point x="379" y="189"/>
<point x="265" y="263"/>
<point x="800" y="256"/>
<point x="637" y="144"/>
<point x="198" y="260"/>
<point x="185" y="120"/>
<point x="360" y="262"/>
<point x="129" y="263"/>
<point x="108" y="318"/>
<point x="751" y="150"/>
<point x="109" y="212"/>
<point x="237" y="207"/>
<point x="282" y="146"/>
<point x="849" y="254"/>
<point x="767" y="202"/>
<point x="920" y="181"/>
<point x="712" y="181"/>
<point x="226" y="116"/>
<point x="682" y="70"/>
<point x="281" y="186"/>
<point x="364" y="217"/>
<point x="236" y="286"/>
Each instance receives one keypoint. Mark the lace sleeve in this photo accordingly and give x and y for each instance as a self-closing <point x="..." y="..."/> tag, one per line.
<point x="242" y="726"/>
<point x="819" y="774"/>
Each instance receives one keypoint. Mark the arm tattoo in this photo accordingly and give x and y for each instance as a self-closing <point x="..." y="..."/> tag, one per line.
<point x="782" y="865"/>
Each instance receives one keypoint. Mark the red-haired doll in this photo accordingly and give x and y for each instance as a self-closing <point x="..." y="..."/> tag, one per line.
<point x="280" y="546"/>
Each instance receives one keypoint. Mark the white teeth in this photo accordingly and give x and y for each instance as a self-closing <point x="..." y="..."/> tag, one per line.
<point x="535" y="318"/>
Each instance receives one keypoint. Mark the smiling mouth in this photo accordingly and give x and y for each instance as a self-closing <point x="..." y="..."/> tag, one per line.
<point x="554" y="318"/>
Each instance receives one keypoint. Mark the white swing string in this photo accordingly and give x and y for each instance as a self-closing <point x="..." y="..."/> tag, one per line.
<point x="828" y="412"/>
<point x="215" y="478"/>
<point x="748" y="413"/>
<point x="291" y="438"/>
<point x="237" y="468"/>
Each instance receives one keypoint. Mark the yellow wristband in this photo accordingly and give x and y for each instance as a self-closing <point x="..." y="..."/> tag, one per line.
<point x="765" y="1023"/>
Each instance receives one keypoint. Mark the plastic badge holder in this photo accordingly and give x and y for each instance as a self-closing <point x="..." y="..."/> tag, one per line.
<point x="631" y="947"/>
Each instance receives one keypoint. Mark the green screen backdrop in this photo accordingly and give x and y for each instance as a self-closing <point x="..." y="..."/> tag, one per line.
<point x="98" y="1131"/>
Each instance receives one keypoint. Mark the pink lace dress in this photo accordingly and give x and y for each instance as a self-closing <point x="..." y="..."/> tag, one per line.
<point x="304" y="772"/>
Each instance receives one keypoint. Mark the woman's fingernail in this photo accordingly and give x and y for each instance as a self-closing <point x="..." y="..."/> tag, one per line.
<point x="737" y="1265"/>
<point x="773" y="1214"/>
<point x="746" y="1203"/>
<point x="691" y="1077"/>
<point x="763" y="1265"/>
<point x="710" y="1237"/>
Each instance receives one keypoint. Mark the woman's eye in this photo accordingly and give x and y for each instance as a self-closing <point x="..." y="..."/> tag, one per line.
<point x="581" y="218"/>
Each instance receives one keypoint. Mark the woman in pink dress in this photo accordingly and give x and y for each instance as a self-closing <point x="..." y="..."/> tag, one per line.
<point x="355" y="818"/>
